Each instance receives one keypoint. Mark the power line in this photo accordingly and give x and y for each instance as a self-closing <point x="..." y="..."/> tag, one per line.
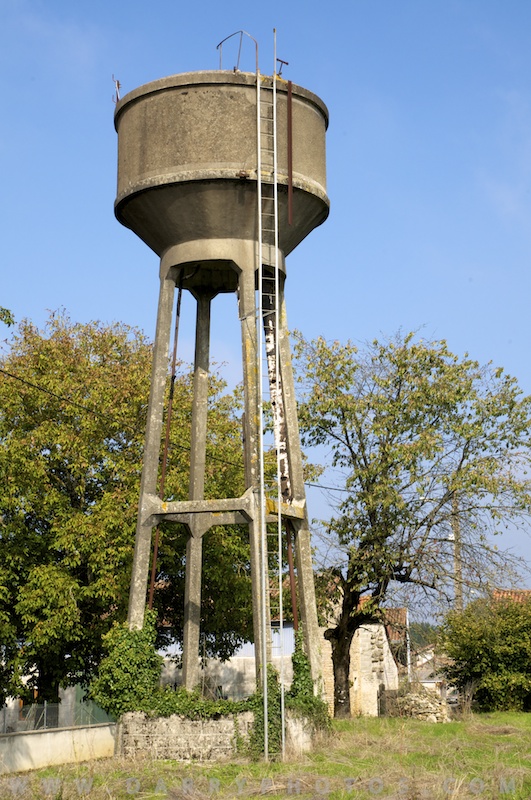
<point x="325" y="488"/>
<point x="100" y="414"/>
<point x="134" y="430"/>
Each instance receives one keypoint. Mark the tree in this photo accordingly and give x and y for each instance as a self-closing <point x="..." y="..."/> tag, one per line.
<point x="422" y="634"/>
<point x="73" y="404"/>
<point x="6" y="316"/>
<point x="490" y="647"/>
<point x="428" y="447"/>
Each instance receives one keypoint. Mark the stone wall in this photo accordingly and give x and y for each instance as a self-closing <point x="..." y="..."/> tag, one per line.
<point x="179" y="738"/>
<point x="183" y="739"/>
<point x="420" y="704"/>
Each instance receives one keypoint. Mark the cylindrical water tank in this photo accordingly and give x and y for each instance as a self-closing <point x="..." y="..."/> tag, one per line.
<point x="187" y="159"/>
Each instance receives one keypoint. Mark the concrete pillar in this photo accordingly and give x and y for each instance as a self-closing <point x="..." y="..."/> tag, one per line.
<point x="303" y="551"/>
<point x="247" y="312"/>
<point x="148" y="484"/>
<point x="194" y="546"/>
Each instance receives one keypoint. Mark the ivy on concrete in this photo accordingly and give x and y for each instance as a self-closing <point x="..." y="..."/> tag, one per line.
<point x="129" y="680"/>
<point x="301" y="698"/>
<point x="129" y="674"/>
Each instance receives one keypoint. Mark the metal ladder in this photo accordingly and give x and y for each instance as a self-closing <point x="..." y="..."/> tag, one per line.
<point x="268" y="317"/>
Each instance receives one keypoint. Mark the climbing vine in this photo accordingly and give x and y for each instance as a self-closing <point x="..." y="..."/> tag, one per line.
<point x="274" y="720"/>
<point x="301" y="698"/>
<point x="129" y="680"/>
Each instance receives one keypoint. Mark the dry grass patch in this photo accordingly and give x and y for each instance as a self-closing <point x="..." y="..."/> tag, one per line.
<point x="396" y="759"/>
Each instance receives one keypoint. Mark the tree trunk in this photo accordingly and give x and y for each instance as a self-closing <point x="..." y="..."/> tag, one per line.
<point x="341" y="642"/>
<point x="48" y="685"/>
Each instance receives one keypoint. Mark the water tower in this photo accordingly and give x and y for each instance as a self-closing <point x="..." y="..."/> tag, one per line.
<point x="222" y="174"/>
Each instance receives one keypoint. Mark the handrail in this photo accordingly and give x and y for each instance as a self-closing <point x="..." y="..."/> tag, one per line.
<point x="242" y="33"/>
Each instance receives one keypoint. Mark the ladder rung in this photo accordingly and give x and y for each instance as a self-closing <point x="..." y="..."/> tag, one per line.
<point x="268" y="209"/>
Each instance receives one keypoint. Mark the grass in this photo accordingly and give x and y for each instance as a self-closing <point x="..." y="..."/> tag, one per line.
<point x="486" y="756"/>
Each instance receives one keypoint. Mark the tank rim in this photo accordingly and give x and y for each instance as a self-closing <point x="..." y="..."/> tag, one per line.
<point x="212" y="78"/>
<point x="210" y="176"/>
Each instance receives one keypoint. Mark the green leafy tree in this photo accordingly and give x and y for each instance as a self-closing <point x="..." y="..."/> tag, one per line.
<point x="431" y="453"/>
<point x="490" y="647"/>
<point x="226" y="616"/>
<point x="422" y="634"/>
<point x="6" y="316"/>
<point x="73" y="405"/>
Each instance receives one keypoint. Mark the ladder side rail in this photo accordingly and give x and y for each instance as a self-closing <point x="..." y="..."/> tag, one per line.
<point x="279" y="393"/>
<point x="258" y="321"/>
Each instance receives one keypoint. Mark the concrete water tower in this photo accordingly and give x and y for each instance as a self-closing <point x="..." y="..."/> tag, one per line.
<point x="222" y="174"/>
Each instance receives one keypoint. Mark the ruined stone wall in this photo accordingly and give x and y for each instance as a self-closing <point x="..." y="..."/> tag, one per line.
<point x="420" y="704"/>
<point x="376" y="669"/>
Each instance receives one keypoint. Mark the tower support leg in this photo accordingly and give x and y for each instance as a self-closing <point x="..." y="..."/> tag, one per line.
<point x="251" y="434"/>
<point x="194" y="546"/>
<point x="303" y="552"/>
<point x="148" y="484"/>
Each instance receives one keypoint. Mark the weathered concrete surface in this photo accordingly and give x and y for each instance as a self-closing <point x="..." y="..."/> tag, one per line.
<point x="21" y="752"/>
<point x="187" y="159"/>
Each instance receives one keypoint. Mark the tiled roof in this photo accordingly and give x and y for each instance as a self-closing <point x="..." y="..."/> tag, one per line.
<point x="395" y="623"/>
<point x="518" y="595"/>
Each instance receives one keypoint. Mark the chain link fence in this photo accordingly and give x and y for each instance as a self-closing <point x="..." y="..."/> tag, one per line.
<point x="42" y="716"/>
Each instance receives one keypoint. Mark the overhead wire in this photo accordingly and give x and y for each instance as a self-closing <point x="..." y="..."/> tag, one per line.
<point x="134" y="430"/>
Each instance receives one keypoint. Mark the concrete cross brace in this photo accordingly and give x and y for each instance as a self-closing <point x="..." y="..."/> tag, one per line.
<point x="229" y="511"/>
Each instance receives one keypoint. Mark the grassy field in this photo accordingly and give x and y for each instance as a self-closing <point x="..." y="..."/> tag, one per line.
<point x="486" y="756"/>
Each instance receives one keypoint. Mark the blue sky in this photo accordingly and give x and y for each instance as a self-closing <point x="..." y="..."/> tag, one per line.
<point x="428" y="157"/>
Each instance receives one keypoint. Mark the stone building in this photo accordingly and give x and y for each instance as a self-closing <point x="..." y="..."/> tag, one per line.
<point x="372" y="669"/>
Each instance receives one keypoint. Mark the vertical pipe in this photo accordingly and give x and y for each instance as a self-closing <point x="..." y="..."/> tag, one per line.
<point x="278" y="386"/>
<point x="291" y="569"/>
<point x="261" y="520"/>
<point x="290" y="154"/>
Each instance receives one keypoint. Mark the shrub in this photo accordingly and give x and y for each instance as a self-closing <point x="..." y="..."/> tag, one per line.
<point x="490" y="647"/>
<point x="129" y="675"/>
